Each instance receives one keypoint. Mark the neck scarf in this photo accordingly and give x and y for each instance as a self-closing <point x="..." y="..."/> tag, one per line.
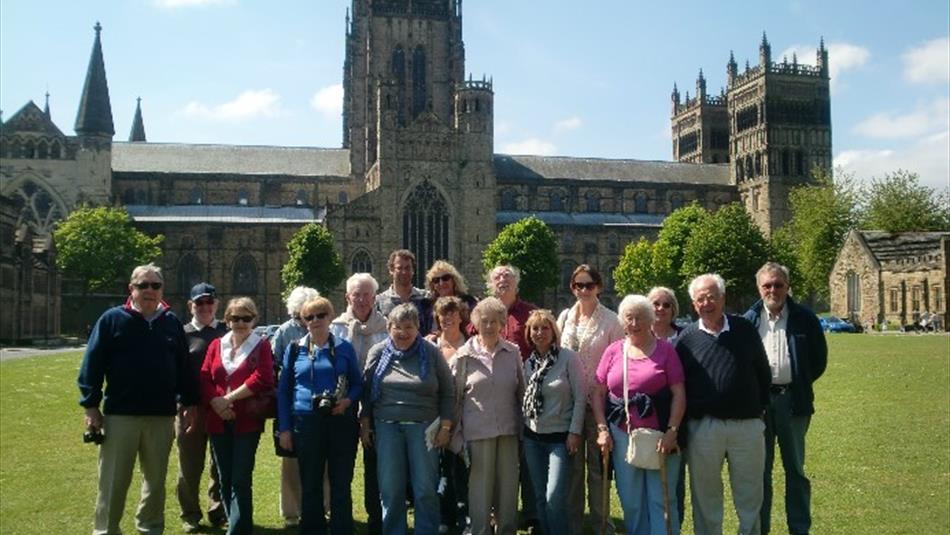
<point x="533" y="398"/>
<point x="360" y="333"/>
<point x="392" y="353"/>
<point x="569" y="336"/>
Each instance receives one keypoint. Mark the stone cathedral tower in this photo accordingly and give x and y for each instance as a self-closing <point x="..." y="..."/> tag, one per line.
<point x="419" y="137"/>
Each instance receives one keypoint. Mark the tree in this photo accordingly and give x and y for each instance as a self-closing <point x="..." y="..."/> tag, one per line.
<point x="671" y="245"/>
<point x="898" y="202"/>
<point x="313" y="260"/>
<point x="531" y="246"/>
<point x="100" y="247"/>
<point x="635" y="273"/>
<point x="822" y="216"/>
<point x="729" y="243"/>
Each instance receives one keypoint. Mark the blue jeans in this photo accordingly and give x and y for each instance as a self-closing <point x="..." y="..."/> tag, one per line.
<point x="550" y="469"/>
<point x="401" y="447"/>
<point x="326" y="441"/>
<point x="234" y="454"/>
<point x="641" y="491"/>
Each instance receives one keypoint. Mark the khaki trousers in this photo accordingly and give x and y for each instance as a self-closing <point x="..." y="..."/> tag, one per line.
<point x="289" y="488"/>
<point x="149" y="439"/>
<point x="493" y="484"/>
<point x="587" y="456"/>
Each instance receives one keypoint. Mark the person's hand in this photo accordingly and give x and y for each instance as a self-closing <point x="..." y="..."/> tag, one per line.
<point x="341" y="406"/>
<point x="286" y="440"/>
<point x="604" y="441"/>
<point x="366" y="435"/>
<point x="432" y="337"/>
<point x="190" y="416"/>
<point x="668" y="443"/>
<point x="93" y="418"/>
<point x="443" y="437"/>
<point x="573" y="443"/>
<point x="222" y="407"/>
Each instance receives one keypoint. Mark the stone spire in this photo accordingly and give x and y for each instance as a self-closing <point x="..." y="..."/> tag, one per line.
<point x="46" y="106"/>
<point x="138" y="126"/>
<point x="95" y="110"/>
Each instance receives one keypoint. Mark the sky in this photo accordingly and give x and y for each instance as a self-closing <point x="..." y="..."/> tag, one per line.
<point x="571" y="78"/>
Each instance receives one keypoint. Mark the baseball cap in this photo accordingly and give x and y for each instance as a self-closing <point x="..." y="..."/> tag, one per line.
<point x="203" y="289"/>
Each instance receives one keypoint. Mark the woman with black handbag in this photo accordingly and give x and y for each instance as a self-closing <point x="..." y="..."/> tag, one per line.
<point x="320" y="382"/>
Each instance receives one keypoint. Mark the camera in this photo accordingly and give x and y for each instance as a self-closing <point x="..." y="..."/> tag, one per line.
<point x="324" y="402"/>
<point x="93" y="435"/>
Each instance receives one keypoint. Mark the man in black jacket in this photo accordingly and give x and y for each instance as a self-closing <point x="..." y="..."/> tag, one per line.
<point x="727" y="390"/>
<point x="798" y="354"/>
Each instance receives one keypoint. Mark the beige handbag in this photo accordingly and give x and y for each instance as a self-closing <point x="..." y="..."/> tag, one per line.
<point x="641" y="442"/>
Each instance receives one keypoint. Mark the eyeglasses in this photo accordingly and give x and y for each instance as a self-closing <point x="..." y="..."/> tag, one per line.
<point x="319" y="316"/>
<point x="660" y="304"/>
<point x="442" y="278"/>
<point x="584" y="285"/>
<point x="144" y="285"/>
<point x="245" y="319"/>
<point x="773" y="285"/>
<point x="204" y="301"/>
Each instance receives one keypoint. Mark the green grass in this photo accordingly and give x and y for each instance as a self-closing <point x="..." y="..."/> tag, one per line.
<point x="878" y="448"/>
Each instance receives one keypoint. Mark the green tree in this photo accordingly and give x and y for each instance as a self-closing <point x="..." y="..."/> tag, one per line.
<point x="898" y="202"/>
<point x="729" y="243"/>
<point x="313" y="260"/>
<point x="671" y="245"/>
<point x="100" y="247"/>
<point x="531" y="246"/>
<point x="635" y="273"/>
<point x="822" y="216"/>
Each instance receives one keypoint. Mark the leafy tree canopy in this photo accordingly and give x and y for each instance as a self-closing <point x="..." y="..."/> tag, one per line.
<point x="531" y="246"/>
<point x="100" y="247"/>
<point x="898" y="202"/>
<point x="635" y="273"/>
<point x="313" y="260"/>
<point x="671" y="245"/>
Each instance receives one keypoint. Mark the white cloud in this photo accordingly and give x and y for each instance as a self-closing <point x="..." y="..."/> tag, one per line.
<point x="928" y="156"/>
<point x="571" y="123"/>
<point x="251" y="104"/>
<point x="329" y="101"/>
<point x="173" y="4"/>
<point x="928" y="63"/>
<point x="532" y="145"/>
<point x="841" y="57"/>
<point x="925" y="119"/>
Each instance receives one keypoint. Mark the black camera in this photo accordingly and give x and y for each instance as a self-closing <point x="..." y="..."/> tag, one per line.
<point x="93" y="435"/>
<point x="324" y="402"/>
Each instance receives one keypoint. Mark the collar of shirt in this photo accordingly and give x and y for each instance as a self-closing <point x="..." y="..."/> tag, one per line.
<point x="158" y="310"/>
<point x="725" y="326"/>
<point x="198" y="326"/>
<point x="768" y="316"/>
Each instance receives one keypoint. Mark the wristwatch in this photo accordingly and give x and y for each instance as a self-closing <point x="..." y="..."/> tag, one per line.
<point x="673" y="428"/>
<point x="602" y="427"/>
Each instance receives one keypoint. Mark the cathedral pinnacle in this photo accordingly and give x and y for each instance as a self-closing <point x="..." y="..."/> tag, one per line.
<point x="95" y="109"/>
<point x="138" y="125"/>
<point x="46" y="107"/>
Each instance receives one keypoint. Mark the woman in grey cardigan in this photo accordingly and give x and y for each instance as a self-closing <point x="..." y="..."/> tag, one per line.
<point x="408" y="391"/>
<point x="553" y="407"/>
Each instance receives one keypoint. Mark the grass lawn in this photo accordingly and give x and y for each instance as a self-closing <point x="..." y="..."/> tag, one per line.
<point x="878" y="448"/>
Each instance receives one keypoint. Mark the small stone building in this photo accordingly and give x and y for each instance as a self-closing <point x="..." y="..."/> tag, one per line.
<point x="892" y="277"/>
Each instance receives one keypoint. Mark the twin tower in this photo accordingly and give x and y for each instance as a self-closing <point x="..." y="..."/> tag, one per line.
<point x="771" y="124"/>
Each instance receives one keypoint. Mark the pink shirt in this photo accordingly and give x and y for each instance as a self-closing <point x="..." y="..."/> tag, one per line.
<point x="649" y="375"/>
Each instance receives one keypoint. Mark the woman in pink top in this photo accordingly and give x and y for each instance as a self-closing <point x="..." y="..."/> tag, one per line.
<point x="657" y="401"/>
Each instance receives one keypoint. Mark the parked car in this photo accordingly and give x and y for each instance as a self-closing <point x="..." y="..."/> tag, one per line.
<point x="266" y="331"/>
<point x="834" y="324"/>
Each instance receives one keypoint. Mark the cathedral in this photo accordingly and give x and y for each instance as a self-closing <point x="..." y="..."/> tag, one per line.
<point x="416" y="169"/>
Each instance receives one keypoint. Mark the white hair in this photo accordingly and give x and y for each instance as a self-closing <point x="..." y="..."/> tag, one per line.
<point x="357" y="279"/>
<point x="146" y="268"/>
<point x="515" y="273"/>
<point x="298" y="296"/>
<point x="701" y="280"/>
<point x="639" y="305"/>
<point x="773" y="267"/>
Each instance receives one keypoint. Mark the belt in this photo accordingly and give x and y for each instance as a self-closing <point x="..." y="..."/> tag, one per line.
<point x="779" y="389"/>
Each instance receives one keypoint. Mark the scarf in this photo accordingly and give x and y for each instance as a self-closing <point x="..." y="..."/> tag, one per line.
<point x="533" y="398"/>
<point x="569" y="331"/>
<point x="359" y="333"/>
<point x="390" y="354"/>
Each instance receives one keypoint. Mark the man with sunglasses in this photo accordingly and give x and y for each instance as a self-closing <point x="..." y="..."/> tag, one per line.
<point x="192" y="447"/>
<point x="798" y="354"/>
<point x="140" y="352"/>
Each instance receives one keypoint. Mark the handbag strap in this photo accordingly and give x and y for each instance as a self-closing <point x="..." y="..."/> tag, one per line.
<point x="460" y="381"/>
<point x="626" y="388"/>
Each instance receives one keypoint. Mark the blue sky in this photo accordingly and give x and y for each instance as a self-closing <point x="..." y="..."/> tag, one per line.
<point x="569" y="80"/>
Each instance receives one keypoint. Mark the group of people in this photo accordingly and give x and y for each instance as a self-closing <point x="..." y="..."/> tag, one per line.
<point x="458" y="404"/>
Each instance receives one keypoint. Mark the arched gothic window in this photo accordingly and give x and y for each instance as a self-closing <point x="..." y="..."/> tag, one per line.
<point x="244" y="276"/>
<point x="593" y="201"/>
<point x="37" y="208"/>
<point x="640" y="203"/>
<point x="128" y="196"/>
<point x="55" y="150"/>
<point x="509" y="199"/>
<point x="567" y="269"/>
<point x="190" y="273"/>
<point x="342" y="197"/>
<point x="42" y="151"/>
<point x="676" y="201"/>
<point x="556" y="201"/>
<point x="197" y="196"/>
<point x="854" y="293"/>
<point x="242" y="197"/>
<point x="786" y="162"/>
<point x="419" y="96"/>
<point x="301" y="198"/>
<point x="141" y="196"/>
<point x="361" y="263"/>
<point x="749" y="169"/>
<point x="425" y="227"/>
<point x="740" y="172"/>
<point x="398" y="67"/>
<point x="799" y="163"/>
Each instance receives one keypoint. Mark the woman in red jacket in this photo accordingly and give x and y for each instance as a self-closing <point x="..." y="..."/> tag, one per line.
<point x="237" y="366"/>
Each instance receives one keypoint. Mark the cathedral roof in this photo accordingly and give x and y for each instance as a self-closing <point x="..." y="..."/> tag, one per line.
<point x="553" y="167"/>
<point x="229" y="159"/>
<point x="583" y="219"/>
<point x="31" y="118"/>
<point x="209" y="213"/>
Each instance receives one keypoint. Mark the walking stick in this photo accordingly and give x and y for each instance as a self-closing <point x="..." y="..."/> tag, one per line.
<point x="666" y="495"/>
<point x="605" y="464"/>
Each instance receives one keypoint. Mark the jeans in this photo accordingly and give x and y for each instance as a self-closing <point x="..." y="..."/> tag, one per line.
<point x="234" y="454"/>
<point x="324" y="441"/>
<point x="641" y="491"/>
<point x="549" y="466"/>
<point x="402" y="446"/>
<point x="789" y="430"/>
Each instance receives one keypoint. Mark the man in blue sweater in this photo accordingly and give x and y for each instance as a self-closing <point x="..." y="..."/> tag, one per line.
<point x="139" y="351"/>
<point x="798" y="354"/>
<point x="727" y="391"/>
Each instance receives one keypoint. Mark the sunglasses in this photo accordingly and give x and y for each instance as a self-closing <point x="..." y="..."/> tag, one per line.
<point x="245" y="319"/>
<point x="584" y="285"/>
<point x="204" y="301"/>
<point x="660" y="304"/>
<point x="144" y="285"/>
<point x="442" y="278"/>
<point x="320" y="316"/>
